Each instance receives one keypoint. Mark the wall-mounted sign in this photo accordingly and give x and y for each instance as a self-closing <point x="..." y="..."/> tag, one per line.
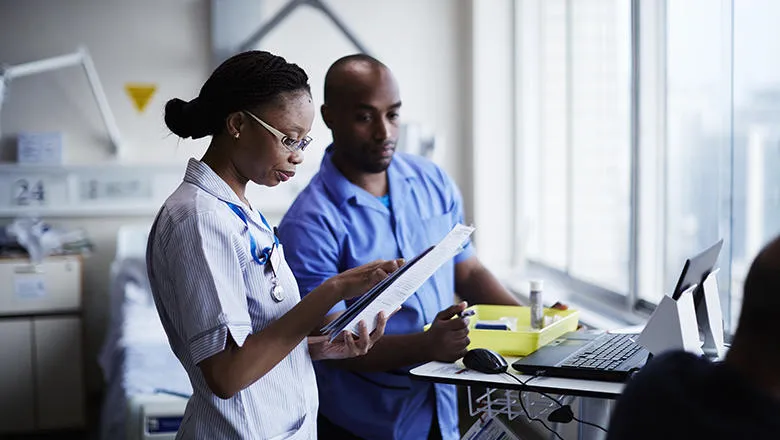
<point x="106" y="188"/>
<point x="140" y="94"/>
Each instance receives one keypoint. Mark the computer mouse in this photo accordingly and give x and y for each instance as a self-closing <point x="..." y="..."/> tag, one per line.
<point x="485" y="361"/>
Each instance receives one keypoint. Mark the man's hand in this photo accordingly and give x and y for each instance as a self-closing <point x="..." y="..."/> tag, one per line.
<point x="346" y="345"/>
<point x="559" y="306"/>
<point x="447" y="339"/>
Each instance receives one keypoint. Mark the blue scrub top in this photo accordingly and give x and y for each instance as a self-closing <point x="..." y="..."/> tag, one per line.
<point x="334" y="225"/>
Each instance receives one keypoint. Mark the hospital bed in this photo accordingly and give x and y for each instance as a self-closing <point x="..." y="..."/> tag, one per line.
<point x="146" y="388"/>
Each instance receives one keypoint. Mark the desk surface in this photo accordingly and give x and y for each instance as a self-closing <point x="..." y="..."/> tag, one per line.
<point x="456" y="373"/>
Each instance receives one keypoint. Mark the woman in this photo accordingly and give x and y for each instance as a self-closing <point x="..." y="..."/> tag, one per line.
<point x="226" y="297"/>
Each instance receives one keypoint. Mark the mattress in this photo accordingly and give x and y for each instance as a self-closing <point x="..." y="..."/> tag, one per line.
<point x="136" y="358"/>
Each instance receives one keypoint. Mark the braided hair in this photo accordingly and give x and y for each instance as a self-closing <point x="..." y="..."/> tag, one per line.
<point x="243" y="81"/>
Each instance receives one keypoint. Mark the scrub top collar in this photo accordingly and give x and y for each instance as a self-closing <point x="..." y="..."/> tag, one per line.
<point x="400" y="177"/>
<point x="202" y="176"/>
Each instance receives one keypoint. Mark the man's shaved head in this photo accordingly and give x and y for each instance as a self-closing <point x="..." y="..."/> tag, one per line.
<point x="361" y="109"/>
<point x="344" y="74"/>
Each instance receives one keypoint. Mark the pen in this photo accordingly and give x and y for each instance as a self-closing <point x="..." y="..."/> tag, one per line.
<point x="465" y="313"/>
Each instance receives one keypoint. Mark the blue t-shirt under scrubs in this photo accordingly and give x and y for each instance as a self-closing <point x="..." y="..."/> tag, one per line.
<point x="334" y="225"/>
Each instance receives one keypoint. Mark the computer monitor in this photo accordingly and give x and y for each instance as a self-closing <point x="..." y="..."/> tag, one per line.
<point x="696" y="270"/>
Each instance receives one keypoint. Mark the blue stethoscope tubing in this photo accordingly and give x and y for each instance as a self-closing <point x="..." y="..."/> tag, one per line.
<point x="262" y="257"/>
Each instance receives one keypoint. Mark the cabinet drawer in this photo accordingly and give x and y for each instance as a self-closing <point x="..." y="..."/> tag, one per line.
<point x="52" y="286"/>
<point x="16" y="376"/>
<point x="59" y="383"/>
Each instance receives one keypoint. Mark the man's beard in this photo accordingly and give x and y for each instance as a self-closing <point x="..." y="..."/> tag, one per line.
<point x="376" y="167"/>
<point x="370" y="163"/>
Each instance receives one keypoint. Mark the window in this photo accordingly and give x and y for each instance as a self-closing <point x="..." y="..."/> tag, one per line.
<point x="575" y="80"/>
<point x="723" y="101"/>
<point x="698" y="130"/>
<point x="755" y="136"/>
<point x="648" y="132"/>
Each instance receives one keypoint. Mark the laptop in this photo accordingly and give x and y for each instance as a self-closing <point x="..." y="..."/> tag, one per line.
<point x="612" y="357"/>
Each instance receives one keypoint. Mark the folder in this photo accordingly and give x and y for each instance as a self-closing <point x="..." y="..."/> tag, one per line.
<point x="390" y="293"/>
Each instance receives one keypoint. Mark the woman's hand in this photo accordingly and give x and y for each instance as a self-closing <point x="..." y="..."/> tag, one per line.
<point x="345" y="345"/>
<point x="358" y="280"/>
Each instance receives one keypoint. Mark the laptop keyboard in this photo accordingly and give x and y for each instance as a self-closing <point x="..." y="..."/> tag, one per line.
<point x="605" y="353"/>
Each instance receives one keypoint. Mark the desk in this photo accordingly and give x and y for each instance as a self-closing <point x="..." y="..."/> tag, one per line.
<point x="593" y="408"/>
<point x="454" y="373"/>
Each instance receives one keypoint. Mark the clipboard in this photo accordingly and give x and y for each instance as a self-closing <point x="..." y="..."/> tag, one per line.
<point x="390" y="293"/>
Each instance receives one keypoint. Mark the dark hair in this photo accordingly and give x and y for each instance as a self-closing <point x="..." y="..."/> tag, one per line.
<point x="761" y="297"/>
<point x="241" y="82"/>
<point x="332" y="76"/>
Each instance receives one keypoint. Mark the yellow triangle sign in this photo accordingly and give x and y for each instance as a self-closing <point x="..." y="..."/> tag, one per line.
<point x="141" y="94"/>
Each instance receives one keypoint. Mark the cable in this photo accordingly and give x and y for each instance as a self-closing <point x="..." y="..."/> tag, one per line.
<point x="563" y="414"/>
<point x="590" y="423"/>
<point x="525" y="384"/>
<point x="522" y="405"/>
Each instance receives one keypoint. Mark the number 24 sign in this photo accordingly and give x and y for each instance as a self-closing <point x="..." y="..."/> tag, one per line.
<point x="28" y="192"/>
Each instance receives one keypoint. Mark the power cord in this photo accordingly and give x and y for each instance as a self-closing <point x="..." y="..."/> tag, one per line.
<point x="527" y="414"/>
<point x="562" y="414"/>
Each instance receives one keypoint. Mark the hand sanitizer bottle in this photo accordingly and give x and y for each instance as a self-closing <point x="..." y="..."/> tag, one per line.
<point x="537" y="310"/>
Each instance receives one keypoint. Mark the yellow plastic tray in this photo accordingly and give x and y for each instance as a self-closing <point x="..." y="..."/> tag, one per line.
<point x="525" y="340"/>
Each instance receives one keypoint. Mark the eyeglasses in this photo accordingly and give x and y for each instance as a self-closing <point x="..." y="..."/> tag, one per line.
<point x="290" y="143"/>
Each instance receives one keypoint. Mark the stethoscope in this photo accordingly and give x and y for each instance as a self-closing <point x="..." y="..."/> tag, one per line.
<point x="263" y="256"/>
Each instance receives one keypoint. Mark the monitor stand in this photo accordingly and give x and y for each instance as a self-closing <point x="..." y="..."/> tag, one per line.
<point x="672" y="326"/>
<point x="675" y="325"/>
<point x="710" y="318"/>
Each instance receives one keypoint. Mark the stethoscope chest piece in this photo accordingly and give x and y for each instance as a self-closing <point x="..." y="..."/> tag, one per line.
<point x="277" y="292"/>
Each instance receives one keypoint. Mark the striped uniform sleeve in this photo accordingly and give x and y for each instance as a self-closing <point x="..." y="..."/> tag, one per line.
<point x="208" y="285"/>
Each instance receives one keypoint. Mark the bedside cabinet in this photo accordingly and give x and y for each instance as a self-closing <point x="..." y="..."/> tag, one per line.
<point x="41" y="335"/>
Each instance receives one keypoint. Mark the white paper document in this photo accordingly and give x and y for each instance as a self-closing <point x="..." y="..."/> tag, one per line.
<point x="389" y="294"/>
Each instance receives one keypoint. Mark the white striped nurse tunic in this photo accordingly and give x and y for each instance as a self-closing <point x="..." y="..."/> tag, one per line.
<point x="206" y="286"/>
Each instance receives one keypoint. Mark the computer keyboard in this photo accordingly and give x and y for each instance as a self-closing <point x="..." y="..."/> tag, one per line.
<point x="605" y="353"/>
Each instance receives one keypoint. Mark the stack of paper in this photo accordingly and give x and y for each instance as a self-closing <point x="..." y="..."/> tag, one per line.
<point x="391" y="292"/>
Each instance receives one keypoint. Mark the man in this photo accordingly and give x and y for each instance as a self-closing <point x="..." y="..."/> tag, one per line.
<point x="678" y="395"/>
<point x="369" y="202"/>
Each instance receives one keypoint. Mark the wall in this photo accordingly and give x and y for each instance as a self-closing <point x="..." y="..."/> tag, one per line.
<point x="426" y="43"/>
<point x="421" y="42"/>
<point x="494" y="131"/>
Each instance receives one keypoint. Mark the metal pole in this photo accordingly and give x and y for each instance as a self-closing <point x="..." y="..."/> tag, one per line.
<point x="81" y="57"/>
<point x="102" y="101"/>
<point x="40" y="66"/>
<point x="58" y="62"/>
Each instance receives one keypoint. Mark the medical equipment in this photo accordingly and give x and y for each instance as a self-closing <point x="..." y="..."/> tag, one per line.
<point x="79" y="57"/>
<point x="266" y="255"/>
<point x="154" y="417"/>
